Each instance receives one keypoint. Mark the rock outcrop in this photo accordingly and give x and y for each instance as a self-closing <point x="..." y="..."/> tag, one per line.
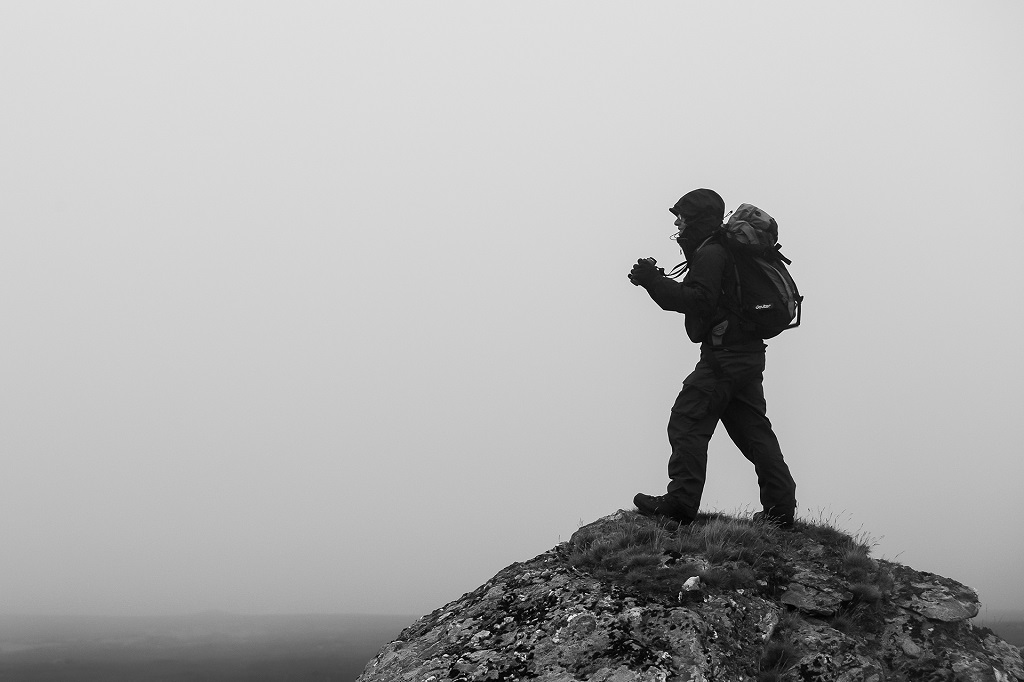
<point x="633" y="599"/>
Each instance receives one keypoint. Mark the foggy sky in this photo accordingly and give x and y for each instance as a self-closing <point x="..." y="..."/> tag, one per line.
<point x="322" y="307"/>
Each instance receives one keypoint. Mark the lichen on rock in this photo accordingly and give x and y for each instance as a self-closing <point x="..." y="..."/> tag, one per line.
<point x="761" y="603"/>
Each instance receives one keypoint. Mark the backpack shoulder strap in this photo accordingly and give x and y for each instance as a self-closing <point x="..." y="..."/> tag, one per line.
<point x="679" y="270"/>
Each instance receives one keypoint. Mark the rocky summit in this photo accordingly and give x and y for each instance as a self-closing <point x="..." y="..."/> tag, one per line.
<point x="629" y="598"/>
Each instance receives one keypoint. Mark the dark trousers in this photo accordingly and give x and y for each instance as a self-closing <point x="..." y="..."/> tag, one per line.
<point x="731" y="392"/>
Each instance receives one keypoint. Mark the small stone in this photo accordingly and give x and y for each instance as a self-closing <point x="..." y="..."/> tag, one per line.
<point x="654" y="675"/>
<point x="768" y="623"/>
<point x="811" y="600"/>
<point x="911" y="649"/>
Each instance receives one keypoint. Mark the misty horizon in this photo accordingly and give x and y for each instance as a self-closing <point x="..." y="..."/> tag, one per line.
<point x="323" y="307"/>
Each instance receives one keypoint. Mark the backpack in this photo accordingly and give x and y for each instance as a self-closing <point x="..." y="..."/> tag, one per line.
<point x="764" y="297"/>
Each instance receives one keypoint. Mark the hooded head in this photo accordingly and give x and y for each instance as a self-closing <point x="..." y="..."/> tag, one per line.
<point x="703" y="211"/>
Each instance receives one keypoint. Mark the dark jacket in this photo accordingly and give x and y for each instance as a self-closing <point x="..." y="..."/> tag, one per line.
<point x="700" y="297"/>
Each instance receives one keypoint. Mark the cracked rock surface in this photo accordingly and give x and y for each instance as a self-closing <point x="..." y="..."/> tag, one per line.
<point x="547" y="619"/>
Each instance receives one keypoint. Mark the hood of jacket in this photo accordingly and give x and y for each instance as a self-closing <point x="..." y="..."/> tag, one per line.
<point x="703" y="210"/>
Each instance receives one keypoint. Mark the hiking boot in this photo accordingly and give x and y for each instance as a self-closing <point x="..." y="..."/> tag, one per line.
<point x="663" y="505"/>
<point x="784" y="521"/>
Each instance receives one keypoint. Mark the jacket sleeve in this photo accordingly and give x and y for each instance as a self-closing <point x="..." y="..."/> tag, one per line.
<point x="698" y="293"/>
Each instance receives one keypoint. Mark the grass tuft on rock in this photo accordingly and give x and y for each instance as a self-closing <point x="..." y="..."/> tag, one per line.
<point x="776" y="659"/>
<point x="654" y="556"/>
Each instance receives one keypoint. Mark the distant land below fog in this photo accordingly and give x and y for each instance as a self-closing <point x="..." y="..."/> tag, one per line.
<point x="1008" y="624"/>
<point x="219" y="647"/>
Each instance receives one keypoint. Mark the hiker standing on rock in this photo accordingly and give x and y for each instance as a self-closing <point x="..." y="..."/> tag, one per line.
<point x="726" y="385"/>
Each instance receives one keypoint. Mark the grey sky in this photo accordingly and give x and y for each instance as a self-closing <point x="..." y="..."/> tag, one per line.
<point x="319" y="306"/>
